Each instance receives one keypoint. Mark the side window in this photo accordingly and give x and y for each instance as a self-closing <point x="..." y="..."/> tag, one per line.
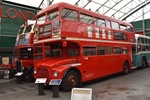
<point x="146" y="41"/>
<point x="147" y="47"/>
<point x="110" y="50"/>
<point x="143" y="47"/>
<point x="129" y="29"/>
<point x="108" y="24"/>
<point x="117" y="50"/>
<point x="101" y="50"/>
<point x="100" y="22"/>
<point x="142" y="40"/>
<point x="125" y="50"/>
<point x="70" y="14"/>
<point x="123" y="28"/>
<point x="86" y="18"/>
<point x="139" y="48"/>
<point x="115" y="25"/>
<point x="138" y="40"/>
<point x="89" y="51"/>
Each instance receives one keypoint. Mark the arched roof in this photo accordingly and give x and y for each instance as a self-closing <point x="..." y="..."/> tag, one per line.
<point x="128" y="10"/>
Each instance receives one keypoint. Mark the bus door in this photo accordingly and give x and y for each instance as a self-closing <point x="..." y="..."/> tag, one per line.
<point x="89" y="63"/>
<point x="118" y="59"/>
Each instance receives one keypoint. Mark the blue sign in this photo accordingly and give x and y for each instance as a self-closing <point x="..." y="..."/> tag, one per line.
<point x="26" y="41"/>
<point x="55" y="82"/>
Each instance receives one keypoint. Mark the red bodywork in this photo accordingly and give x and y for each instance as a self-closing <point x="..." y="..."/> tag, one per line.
<point x="25" y="62"/>
<point x="74" y="34"/>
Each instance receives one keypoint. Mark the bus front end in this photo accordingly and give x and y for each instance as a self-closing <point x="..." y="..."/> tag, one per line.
<point x="23" y="53"/>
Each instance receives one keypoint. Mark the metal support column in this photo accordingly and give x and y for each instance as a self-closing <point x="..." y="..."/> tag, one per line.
<point x="55" y="91"/>
<point x="143" y="21"/>
<point x="41" y="89"/>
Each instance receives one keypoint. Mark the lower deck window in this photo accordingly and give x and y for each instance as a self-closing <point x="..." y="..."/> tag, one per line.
<point x="117" y="50"/>
<point x="101" y="50"/>
<point x="89" y="51"/>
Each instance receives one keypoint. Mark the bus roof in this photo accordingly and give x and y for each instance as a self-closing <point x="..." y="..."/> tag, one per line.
<point x="139" y="35"/>
<point x="82" y="10"/>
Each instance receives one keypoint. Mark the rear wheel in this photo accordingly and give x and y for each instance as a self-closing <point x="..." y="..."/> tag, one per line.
<point x="126" y="68"/>
<point x="70" y="81"/>
<point x="144" y="63"/>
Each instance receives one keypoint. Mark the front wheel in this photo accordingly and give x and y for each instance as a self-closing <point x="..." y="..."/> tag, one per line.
<point x="70" y="81"/>
<point x="126" y="68"/>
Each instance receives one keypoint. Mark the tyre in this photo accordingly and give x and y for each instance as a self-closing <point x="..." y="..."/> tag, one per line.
<point x="126" y="68"/>
<point x="31" y="76"/>
<point x="144" y="63"/>
<point x="70" y="81"/>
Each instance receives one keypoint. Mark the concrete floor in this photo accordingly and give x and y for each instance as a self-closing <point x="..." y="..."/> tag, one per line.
<point x="134" y="86"/>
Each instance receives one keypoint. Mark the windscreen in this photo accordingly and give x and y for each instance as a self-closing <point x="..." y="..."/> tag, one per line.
<point x="21" y="30"/>
<point x="38" y="51"/>
<point x="53" y="50"/>
<point x="28" y="28"/>
<point x="15" y="53"/>
<point x="26" y="53"/>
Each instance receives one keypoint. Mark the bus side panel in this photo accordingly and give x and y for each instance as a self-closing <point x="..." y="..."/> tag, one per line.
<point x="136" y="60"/>
<point x="90" y="66"/>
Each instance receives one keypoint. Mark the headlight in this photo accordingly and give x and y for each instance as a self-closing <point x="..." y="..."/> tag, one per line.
<point x="55" y="74"/>
<point x="34" y="71"/>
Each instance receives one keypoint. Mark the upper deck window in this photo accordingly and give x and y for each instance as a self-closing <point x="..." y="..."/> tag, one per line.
<point x="86" y="18"/>
<point x="41" y="19"/>
<point x="129" y="29"/>
<point x="146" y="40"/>
<point x="108" y="23"/>
<point x="70" y="14"/>
<point x="52" y="15"/>
<point x="139" y="40"/>
<point x="100" y="22"/>
<point x="115" y="25"/>
<point x="123" y="28"/>
<point x="143" y="40"/>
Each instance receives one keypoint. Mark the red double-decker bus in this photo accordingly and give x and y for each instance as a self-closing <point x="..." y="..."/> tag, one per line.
<point x="23" y="51"/>
<point x="76" y="45"/>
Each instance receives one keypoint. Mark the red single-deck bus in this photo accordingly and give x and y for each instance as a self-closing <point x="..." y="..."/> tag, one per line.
<point x="23" y="51"/>
<point x="76" y="45"/>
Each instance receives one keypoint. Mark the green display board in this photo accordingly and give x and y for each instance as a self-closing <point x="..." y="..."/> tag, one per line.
<point x="9" y="26"/>
<point x="138" y="26"/>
